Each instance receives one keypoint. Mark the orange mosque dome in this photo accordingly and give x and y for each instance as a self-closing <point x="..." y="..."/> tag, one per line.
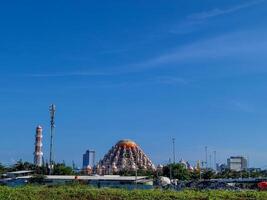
<point x="127" y="143"/>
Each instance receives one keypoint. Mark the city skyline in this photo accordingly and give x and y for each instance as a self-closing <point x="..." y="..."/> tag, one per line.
<point x="146" y="71"/>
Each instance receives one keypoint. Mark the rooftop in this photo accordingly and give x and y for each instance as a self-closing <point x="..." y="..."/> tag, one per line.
<point x="107" y="178"/>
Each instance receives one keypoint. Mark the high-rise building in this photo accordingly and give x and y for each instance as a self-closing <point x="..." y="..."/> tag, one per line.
<point x="237" y="163"/>
<point x="38" y="154"/>
<point x="88" y="159"/>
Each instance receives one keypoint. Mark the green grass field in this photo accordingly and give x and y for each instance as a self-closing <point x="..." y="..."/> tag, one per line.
<point x="87" y="193"/>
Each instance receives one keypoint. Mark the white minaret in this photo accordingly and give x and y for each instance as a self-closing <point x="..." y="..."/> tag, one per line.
<point x="38" y="154"/>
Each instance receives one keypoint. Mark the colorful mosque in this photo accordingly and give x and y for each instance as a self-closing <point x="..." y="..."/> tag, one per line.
<point x="126" y="155"/>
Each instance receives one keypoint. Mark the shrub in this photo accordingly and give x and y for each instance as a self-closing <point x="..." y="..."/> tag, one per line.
<point x="82" y="192"/>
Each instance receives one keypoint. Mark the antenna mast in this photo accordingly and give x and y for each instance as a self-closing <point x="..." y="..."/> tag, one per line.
<point x="52" y="110"/>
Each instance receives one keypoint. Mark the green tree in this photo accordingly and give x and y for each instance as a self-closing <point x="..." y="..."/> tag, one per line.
<point x="20" y="165"/>
<point x="3" y="169"/>
<point x="178" y="171"/>
<point x="37" y="178"/>
<point x="194" y="175"/>
<point x="208" y="174"/>
<point x="62" y="169"/>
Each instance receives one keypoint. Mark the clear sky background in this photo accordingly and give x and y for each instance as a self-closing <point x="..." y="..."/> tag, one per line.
<point x="144" y="70"/>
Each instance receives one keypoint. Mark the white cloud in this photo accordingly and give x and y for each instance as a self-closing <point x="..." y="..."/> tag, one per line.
<point x="194" y="21"/>
<point x="171" y="80"/>
<point x="244" y="46"/>
<point x="218" y="11"/>
<point x="241" y="106"/>
<point x="66" y="74"/>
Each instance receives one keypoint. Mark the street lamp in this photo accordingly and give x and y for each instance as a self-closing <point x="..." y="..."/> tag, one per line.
<point x="173" y="150"/>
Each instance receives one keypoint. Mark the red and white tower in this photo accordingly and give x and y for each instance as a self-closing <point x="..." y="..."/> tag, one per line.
<point x="38" y="154"/>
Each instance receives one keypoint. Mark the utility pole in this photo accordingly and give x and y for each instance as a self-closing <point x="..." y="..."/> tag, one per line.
<point x="93" y="164"/>
<point x="170" y="166"/>
<point x="73" y="165"/>
<point x="248" y="167"/>
<point x="173" y="150"/>
<point x="200" y="173"/>
<point x="52" y="110"/>
<point x="206" y="157"/>
<point x="215" y="160"/>
<point x="210" y="165"/>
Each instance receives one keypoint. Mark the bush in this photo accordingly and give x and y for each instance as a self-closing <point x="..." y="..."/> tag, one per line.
<point x="80" y="192"/>
<point x="38" y="178"/>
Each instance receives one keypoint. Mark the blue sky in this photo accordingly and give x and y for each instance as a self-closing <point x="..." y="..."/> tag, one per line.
<point x="144" y="70"/>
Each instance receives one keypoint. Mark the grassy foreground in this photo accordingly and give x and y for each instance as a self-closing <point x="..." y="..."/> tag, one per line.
<point x="87" y="193"/>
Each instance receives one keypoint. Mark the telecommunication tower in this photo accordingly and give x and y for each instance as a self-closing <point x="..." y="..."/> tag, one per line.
<point x="52" y="110"/>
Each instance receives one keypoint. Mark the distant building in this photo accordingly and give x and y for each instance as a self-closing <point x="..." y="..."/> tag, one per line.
<point x="253" y="170"/>
<point x="221" y="167"/>
<point x="88" y="159"/>
<point x="20" y="178"/>
<point x="237" y="163"/>
<point x="186" y="165"/>
<point x="17" y="174"/>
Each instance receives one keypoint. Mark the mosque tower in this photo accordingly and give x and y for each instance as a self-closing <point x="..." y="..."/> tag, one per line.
<point x="125" y="155"/>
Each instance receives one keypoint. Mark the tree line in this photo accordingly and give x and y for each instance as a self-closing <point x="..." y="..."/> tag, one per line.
<point x="59" y="168"/>
<point x="178" y="171"/>
<point x="174" y="171"/>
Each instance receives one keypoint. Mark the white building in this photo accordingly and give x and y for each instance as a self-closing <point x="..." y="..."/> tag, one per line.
<point x="237" y="163"/>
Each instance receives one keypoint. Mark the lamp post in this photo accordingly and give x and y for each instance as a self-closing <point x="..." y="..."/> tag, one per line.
<point x="52" y="110"/>
<point x="173" y="150"/>
<point x="170" y="169"/>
